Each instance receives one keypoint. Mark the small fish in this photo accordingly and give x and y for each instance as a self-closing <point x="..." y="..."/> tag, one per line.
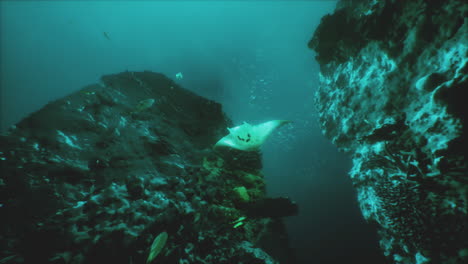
<point x="179" y="76"/>
<point x="88" y="93"/>
<point x="238" y="220"/>
<point x="238" y="224"/>
<point x="106" y="35"/>
<point x="144" y="104"/>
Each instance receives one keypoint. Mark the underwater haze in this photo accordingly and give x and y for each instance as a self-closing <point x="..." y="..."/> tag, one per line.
<point x="250" y="56"/>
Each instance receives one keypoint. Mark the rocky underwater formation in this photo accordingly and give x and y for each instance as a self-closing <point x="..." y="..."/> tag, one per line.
<point x="125" y="172"/>
<point x="392" y="94"/>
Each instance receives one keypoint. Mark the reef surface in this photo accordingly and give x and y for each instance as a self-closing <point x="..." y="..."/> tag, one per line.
<point x="97" y="176"/>
<point x="393" y="84"/>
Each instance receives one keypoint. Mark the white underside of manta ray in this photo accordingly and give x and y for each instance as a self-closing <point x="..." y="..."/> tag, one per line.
<point x="247" y="137"/>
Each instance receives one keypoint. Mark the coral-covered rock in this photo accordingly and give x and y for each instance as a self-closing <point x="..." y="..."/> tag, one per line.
<point x="392" y="84"/>
<point x="96" y="176"/>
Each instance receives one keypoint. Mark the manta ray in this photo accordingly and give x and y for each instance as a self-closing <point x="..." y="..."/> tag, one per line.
<point x="247" y="137"/>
